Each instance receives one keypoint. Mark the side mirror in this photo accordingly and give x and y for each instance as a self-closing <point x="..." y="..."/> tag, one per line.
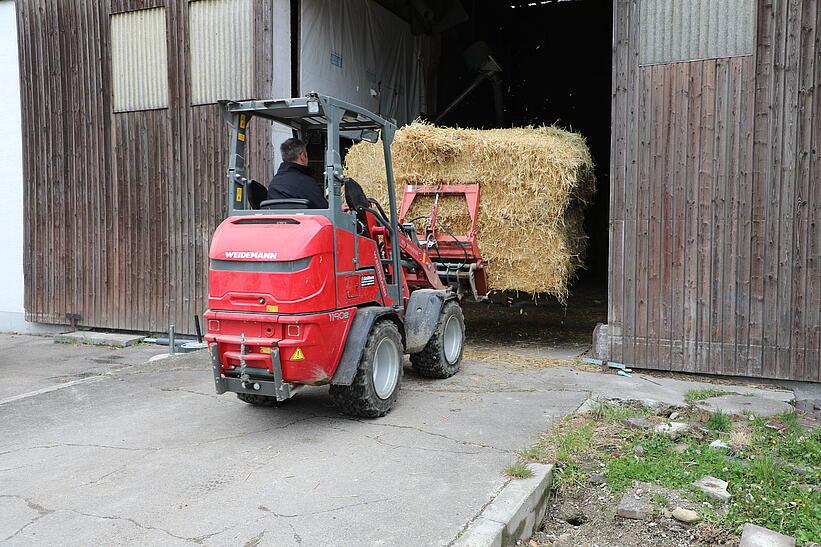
<point x="367" y="135"/>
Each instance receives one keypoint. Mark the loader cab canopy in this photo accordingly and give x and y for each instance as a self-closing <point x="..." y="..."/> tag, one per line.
<point x="304" y="116"/>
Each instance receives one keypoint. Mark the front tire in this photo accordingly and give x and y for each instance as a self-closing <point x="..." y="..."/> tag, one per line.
<point x="442" y="356"/>
<point x="378" y="379"/>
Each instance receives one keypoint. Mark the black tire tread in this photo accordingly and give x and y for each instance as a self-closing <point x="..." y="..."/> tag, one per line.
<point x="258" y="400"/>
<point x="359" y="398"/>
<point x="430" y="362"/>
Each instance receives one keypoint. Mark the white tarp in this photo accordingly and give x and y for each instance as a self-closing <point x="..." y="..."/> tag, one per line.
<point x="358" y="51"/>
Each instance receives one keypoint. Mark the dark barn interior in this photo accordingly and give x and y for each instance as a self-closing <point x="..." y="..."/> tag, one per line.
<point x="556" y="69"/>
<point x="556" y="60"/>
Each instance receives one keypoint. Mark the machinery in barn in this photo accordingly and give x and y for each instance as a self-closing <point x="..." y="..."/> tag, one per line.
<point x="333" y="296"/>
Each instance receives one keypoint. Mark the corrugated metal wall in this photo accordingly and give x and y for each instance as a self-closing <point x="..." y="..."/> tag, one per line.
<point x="221" y="50"/>
<point x="687" y="30"/>
<point x="715" y="228"/>
<point x="139" y="68"/>
<point x="120" y="207"/>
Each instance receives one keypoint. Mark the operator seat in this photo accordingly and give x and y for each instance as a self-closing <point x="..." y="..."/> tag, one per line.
<point x="256" y="194"/>
<point x="358" y="202"/>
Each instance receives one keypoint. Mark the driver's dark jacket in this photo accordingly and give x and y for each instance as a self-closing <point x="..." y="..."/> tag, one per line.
<point x="295" y="181"/>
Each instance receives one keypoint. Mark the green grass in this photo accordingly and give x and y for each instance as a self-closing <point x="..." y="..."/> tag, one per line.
<point x="694" y="395"/>
<point x="518" y="470"/>
<point x="718" y="421"/>
<point x="569" y="445"/>
<point x="605" y="411"/>
<point x="765" y="491"/>
<point x="532" y="454"/>
<point x="766" y="487"/>
<point x="659" y="500"/>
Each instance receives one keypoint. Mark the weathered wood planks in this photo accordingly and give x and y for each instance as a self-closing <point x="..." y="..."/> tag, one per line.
<point x="120" y="207"/>
<point x="718" y="177"/>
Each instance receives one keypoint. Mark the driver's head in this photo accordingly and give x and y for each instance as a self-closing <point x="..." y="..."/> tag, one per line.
<point x="294" y="151"/>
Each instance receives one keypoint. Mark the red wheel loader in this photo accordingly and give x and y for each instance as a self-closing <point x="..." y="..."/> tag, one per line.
<point x="333" y="296"/>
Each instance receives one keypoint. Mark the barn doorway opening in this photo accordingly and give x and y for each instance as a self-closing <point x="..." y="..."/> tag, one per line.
<point x="556" y="61"/>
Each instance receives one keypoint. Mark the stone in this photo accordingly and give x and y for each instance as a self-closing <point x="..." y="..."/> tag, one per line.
<point x="673" y="429"/>
<point x="598" y="478"/>
<point x="714" y="488"/>
<point x="741" y="404"/>
<point x="638" y="423"/>
<point x="674" y="415"/>
<point x="685" y="515"/>
<point x="797" y="469"/>
<point x="680" y="448"/>
<point x="757" y="536"/>
<point x="633" y="507"/>
<point x="817" y="404"/>
<point x="718" y="443"/>
<point x="564" y="540"/>
<point x="638" y="450"/>
<point x="113" y="339"/>
<point x="805" y="405"/>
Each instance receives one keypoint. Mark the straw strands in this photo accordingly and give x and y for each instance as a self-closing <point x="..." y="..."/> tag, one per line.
<point x="535" y="183"/>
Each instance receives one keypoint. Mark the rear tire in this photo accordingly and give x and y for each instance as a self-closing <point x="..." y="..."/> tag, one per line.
<point x="258" y="400"/>
<point x="378" y="379"/>
<point x="442" y="356"/>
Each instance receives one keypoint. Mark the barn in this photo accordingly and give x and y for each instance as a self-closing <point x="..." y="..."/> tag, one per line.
<point x="702" y="117"/>
<point x="715" y="188"/>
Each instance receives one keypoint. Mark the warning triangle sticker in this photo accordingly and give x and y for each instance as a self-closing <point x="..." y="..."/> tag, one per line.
<point x="298" y="355"/>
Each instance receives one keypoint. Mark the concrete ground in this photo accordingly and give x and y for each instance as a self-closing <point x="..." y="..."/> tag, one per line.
<point x="140" y="453"/>
<point x="31" y="363"/>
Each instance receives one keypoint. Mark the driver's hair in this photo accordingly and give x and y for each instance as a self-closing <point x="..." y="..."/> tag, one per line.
<point x="291" y="149"/>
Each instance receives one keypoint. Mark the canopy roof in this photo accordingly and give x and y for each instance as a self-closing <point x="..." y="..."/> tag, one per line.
<point x="309" y="113"/>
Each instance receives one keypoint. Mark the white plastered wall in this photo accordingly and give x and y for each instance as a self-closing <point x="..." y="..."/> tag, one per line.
<point x="12" y="314"/>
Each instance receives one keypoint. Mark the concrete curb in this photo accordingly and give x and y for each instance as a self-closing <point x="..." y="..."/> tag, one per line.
<point x="514" y="514"/>
<point x="112" y="339"/>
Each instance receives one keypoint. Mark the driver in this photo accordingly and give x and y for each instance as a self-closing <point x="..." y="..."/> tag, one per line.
<point x="294" y="179"/>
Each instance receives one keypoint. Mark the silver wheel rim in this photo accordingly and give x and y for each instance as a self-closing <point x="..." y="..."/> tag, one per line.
<point x="452" y="340"/>
<point x="385" y="368"/>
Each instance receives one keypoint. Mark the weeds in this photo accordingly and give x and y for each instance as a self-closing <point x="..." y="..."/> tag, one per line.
<point x="605" y="411"/>
<point x="518" y="470"/>
<point x="773" y="475"/>
<point x="659" y="500"/>
<point x="571" y="443"/>
<point x="694" y="395"/>
<point x="718" y="421"/>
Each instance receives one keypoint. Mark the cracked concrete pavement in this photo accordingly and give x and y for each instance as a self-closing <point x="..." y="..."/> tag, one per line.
<point x="147" y="454"/>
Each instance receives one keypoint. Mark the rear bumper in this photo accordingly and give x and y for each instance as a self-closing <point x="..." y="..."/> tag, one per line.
<point x="253" y="380"/>
<point x="306" y="347"/>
